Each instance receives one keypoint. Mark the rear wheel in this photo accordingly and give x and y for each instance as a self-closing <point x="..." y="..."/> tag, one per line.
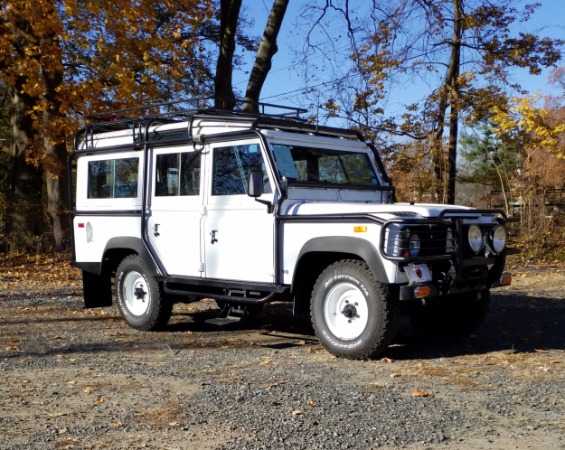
<point x="353" y="315"/>
<point x="141" y="301"/>
<point x="450" y="318"/>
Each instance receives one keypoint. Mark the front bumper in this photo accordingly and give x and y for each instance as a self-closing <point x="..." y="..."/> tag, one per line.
<point x="431" y="289"/>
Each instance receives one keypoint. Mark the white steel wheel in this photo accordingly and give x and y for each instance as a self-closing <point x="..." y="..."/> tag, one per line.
<point x="346" y="311"/>
<point x="136" y="293"/>
<point x="141" y="301"/>
<point x="354" y="316"/>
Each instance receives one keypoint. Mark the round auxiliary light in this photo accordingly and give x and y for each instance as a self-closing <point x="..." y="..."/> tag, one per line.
<point x="475" y="237"/>
<point x="498" y="238"/>
<point x="414" y="245"/>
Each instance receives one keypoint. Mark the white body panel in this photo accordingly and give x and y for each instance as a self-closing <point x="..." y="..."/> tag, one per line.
<point x="92" y="234"/>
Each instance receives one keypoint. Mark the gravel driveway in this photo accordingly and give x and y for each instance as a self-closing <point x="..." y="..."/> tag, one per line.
<point x="82" y="379"/>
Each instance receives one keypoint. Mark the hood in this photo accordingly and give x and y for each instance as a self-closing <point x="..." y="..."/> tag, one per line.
<point x="384" y="211"/>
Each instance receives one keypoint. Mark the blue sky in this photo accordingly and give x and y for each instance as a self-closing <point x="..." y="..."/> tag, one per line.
<point x="286" y="81"/>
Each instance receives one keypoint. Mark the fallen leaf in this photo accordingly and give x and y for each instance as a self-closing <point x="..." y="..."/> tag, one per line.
<point x="416" y="393"/>
<point x="310" y="403"/>
<point x="100" y="400"/>
<point x="388" y="360"/>
<point x="117" y="424"/>
<point x="89" y="389"/>
<point x="266" y="362"/>
<point x="297" y="412"/>
<point x="394" y="375"/>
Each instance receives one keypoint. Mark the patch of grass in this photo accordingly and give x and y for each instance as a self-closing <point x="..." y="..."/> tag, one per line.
<point x="170" y="414"/>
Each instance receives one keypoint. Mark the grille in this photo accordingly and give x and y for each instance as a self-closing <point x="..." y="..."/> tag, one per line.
<point x="436" y="240"/>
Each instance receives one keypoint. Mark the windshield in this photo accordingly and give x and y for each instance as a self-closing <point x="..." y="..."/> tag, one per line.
<point x="311" y="166"/>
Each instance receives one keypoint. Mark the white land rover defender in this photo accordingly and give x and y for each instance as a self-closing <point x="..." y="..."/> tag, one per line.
<point x="179" y="203"/>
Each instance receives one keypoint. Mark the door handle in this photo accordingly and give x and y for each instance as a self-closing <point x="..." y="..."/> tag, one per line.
<point x="156" y="230"/>
<point x="213" y="239"/>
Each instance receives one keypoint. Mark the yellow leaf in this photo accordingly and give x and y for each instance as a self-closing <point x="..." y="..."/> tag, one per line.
<point x="416" y="393"/>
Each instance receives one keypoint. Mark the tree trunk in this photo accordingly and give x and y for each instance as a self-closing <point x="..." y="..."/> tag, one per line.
<point x="455" y="63"/>
<point x="267" y="48"/>
<point x="55" y="162"/>
<point x="24" y="212"/>
<point x="224" y="97"/>
<point x="449" y="97"/>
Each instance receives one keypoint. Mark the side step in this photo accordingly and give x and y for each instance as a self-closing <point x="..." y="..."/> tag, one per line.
<point x="228" y="315"/>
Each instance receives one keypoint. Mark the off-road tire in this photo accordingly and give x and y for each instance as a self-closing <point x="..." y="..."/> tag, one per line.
<point x="452" y="317"/>
<point x="141" y="300"/>
<point x="354" y="316"/>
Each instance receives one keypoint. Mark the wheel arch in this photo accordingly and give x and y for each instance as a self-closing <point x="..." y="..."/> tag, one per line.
<point x="120" y="247"/>
<point x="97" y="278"/>
<point x="318" y="253"/>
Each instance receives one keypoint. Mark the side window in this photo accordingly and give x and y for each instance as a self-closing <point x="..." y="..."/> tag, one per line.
<point x="231" y="167"/>
<point x="113" y="178"/>
<point x="177" y="174"/>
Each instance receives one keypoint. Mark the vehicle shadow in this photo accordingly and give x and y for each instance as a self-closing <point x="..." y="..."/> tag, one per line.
<point x="517" y="323"/>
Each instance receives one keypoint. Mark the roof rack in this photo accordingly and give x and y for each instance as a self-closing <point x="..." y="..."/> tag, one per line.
<point x="140" y="119"/>
<point x="180" y="110"/>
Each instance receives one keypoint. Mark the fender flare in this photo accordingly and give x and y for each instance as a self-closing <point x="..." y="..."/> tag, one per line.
<point x="349" y="245"/>
<point x="136" y="245"/>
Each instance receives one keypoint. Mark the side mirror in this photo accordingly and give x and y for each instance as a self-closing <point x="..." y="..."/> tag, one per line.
<point x="255" y="183"/>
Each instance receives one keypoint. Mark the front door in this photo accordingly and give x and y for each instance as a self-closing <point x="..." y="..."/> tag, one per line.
<point x="238" y="232"/>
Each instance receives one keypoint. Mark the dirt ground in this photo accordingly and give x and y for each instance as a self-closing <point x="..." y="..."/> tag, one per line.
<point x="75" y="378"/>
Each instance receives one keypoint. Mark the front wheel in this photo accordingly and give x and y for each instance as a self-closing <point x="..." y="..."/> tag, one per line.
<point x="141" y="301"/>
<point x="353" y="315"/>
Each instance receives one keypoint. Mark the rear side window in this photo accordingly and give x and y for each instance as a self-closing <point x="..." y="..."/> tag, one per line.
<point x="113" y="178"/>
<point x="177" y="174"/>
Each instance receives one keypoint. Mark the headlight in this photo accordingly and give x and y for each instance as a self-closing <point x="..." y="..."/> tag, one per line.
<point x="498" y="238"/>
<point x="475" y="237"/>
<point x="414" y="245"/>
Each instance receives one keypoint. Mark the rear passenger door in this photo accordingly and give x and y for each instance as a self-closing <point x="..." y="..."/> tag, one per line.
<point x="174" y="224"/>
<point x="238" y="232"/>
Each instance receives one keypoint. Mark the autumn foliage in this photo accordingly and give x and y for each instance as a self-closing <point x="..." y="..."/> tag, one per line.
<point x="63" y="60"/>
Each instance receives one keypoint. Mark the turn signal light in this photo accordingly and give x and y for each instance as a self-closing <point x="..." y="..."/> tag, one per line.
<point x="422" y="291"/>
<point x="360" y="228"/>
<point x="505" y="279"/>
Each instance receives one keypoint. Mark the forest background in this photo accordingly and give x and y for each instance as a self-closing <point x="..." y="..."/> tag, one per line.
<point x="473" y="135"/>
